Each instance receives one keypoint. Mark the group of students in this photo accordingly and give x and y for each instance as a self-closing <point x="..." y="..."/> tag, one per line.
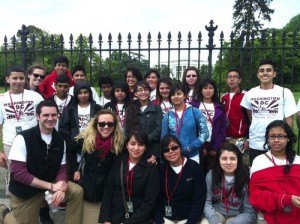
<point x="149" y="150"/>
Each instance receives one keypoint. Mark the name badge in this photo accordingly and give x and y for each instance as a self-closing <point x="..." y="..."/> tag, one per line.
<point x="130" y="206"/>
<point x="168" y="211"/>
<point x="287" y="209"/>
<point x="18" y="129"/>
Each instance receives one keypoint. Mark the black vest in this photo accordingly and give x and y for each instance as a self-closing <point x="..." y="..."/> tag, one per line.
<point x="42" y="161"/>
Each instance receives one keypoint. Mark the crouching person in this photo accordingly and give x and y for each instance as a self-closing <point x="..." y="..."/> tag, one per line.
<point x="38" y="164"/>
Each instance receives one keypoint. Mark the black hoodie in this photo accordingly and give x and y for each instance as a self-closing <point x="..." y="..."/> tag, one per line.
<point x="69" y="126"/>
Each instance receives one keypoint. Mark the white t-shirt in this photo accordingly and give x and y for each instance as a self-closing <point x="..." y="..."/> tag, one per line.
<point x="189" y="97"/>
<point x="61" y="105"/>
<point x="103" y="101"/>
<point x="121" y="114"/>
<point x="83" y="117"/>
<point x="153" y="95"/>
<point x="95" y="94"/>
<point x="209" y="114"/>
<point x="18" y="150"/>
<point x="177" y="169"/>
<point x="24" y="105"/>
<point x="166" y="106"/>
<point x="266" y="106"/>
<point x="298" y="105"/>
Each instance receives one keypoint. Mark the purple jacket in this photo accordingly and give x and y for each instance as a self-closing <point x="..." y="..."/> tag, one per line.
<point x="218" y="135"/>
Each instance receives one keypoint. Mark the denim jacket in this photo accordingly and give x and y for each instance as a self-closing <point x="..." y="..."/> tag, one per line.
<point x="193" y="130"/>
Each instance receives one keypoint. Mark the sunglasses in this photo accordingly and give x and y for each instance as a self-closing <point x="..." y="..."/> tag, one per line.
<point x="173" y="148"/>
<point x="193" y="76"/>
<point x="103" y="124"/>
<point x="38" y="75"/>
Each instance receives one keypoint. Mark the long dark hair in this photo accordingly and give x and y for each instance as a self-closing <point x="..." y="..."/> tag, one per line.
<point x="203" y="84"/>
<point x="241" y="174"/>
<point x="289" y="149"/>
<point x="125" y="88"/>
<point x="186" y="85"/>
<point x="166" y="80"/>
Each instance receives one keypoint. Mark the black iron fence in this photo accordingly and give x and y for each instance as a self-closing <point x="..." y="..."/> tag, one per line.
<point x="213" y="54"/>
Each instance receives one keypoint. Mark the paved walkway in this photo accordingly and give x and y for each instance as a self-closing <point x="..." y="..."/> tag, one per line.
<point x="58" y="217"/>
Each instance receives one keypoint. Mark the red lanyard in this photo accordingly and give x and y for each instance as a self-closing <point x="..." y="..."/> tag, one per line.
<point x="129" y="178"/>
<point x="209" y="118"/>
<point x="18" y="115"/>
<point x="224" y="192"/>
<point x="166" y="109"/>
<point x="181" y="121"/>
<point x="285" y="182"/>
<point x="166" y="181"/>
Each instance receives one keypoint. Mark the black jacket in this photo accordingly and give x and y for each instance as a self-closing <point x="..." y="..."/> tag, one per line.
<point x="93" y="175"/>
<point x="150" y="122"/>
<point x="69" y="126"/>
<point x="41" y="162"/>
<point x="144" y="192"/>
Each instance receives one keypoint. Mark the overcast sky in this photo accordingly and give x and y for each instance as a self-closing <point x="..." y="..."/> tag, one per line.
<point x="124" y="16"/>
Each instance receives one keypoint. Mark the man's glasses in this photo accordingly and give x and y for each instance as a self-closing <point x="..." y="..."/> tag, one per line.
<point x="103" y="124"/>
<point x="173" y="148"/>
<point x="279" y="137"/>
<point x="38" y="75"/>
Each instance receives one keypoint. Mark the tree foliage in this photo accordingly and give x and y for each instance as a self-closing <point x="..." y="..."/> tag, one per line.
<point x="293" y="25"/>
<point x="249" y="15"/>
<point x="44" y="47"/>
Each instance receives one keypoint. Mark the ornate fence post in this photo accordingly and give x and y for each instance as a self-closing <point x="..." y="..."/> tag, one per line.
<point x="211" y="32"/>
<point x="24" y="33"/>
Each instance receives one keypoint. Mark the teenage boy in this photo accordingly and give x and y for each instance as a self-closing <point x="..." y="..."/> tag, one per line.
<point x="105" y="83"/>
<point x="38" y="164"/>
<point x="61" y="97"/>
<point x="61" y="64"/>
<point x="266" y="103"/>
<point x="17" y="112"/>
<point x="79" y="74"/>
<point x="236" y="116"/>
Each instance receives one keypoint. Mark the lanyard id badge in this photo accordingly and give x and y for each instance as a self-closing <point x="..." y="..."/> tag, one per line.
<point x="168" y="211"/>
<point x="287" y="209"/>
<point x="18" y="129"/>
<point x="130" y="206"/>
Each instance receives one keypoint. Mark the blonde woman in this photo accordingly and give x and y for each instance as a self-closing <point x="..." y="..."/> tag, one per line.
<point x="102" y="140"/>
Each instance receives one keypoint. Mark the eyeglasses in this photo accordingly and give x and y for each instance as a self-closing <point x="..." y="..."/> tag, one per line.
<point x="173" y="148"/>
<point x="143" y="90"/>
<point x="189" y="76"/>
<point x="279" y="137"/>
<point x="38" y="75"/>
<point x="103" y="124"/>
<point x="233" y="77"/>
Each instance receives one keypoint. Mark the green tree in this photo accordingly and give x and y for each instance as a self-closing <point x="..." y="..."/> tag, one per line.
<point x="293" y="25"/>
<point x="249" y="14"/>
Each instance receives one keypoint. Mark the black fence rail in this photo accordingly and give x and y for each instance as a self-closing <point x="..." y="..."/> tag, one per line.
<point x="211" y="54"/>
